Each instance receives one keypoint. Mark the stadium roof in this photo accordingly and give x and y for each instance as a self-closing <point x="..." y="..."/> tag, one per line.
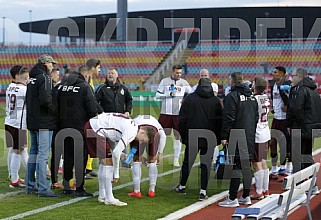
<point x="249" y="14"/>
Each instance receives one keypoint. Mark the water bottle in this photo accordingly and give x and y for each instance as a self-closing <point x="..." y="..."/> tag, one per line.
<point x="172" y="90"/>
<point x="131" y="155"/>
<point x="221" y="159"/>
<point x="285" y="87"/>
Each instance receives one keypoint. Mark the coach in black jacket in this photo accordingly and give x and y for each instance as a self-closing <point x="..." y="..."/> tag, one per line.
<point x="41" y="122"/>
<point x="76" y="104"/>
<point x="113" y="96"/>
<point x="304" y="114"/>
<point x="240" y="116"/>
<point x="200" y="110"/>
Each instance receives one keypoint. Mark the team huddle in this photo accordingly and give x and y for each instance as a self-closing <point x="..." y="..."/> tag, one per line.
<point x="75" y="123"/>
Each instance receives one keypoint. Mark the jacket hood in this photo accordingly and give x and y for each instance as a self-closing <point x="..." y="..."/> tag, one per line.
<point x="204" y="88"/>
<point x="308" y="82"/>
<point x="37" y="69"/>
<point x="74" y="78"/>
<point x="243" y="89"/>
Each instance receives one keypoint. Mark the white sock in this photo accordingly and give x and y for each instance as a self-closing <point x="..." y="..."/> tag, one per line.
<point x="289" y="167"/>
<point x="181" y="187"/>
<point x="203" y="191"/>
<point x="14" y="167"/>
<point x="266" y="180"/>
<point x="137" y="175"/>
<point x="177" y="149"/>
<point x="9" y="160"/>
<point x="61" y="162"/>
<point x="216" y="153"/>
<point x="101" y="179"/>
<point x="259" y="175"/>
<point x="152" y="172"/>
<point x="282" y="167"/>
<point x="109" y="176"/>
<point x="274" y="169"/>
<point x="24" y="157"/>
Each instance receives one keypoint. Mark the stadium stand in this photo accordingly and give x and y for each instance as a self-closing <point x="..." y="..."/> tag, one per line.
<point x="249" y="57"/>
<point x="134" y="61"/>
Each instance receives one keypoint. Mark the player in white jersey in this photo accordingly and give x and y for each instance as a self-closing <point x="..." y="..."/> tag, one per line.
<point x="15" y="123"/>
<point x="154" y="151"/>
<point x="106" y="132"/>
<point x="205" y="74"/>
<point x="262" y="138"/>
<point x="171" y="91"/>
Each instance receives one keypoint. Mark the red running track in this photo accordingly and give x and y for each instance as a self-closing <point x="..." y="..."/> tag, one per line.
<point x="220" y="213"/>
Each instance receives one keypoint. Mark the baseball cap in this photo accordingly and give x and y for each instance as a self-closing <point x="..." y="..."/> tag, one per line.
<point x="45" y="58"/>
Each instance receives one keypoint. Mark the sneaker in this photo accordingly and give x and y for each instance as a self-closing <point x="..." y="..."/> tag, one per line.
<point x="31" y="191"/>
<point x="176" y="189"/>
<point x="101" y="200"/>
<point x="93" y="173"/>
<point x="245" y="201"/>
<point x="88" y="176"/>
<point x="176" y="163"/>
<point x="133" y="194"/>
<point x="229" y="203"/>
<point x="83" y="193"/>
<point x="282" y="171"/>
<point x="266" y="193"/>
<point x="202" y="197"/>
<point x="60" y="170"/>
<point x="56" y="186"/>
<point x="17" y="184"/>
<point x="22" y="180"/>
<point x="67" y="192"/>
<point x="48" y="193"/>
<point x="257" y="196"/>
<point x="115" y="202"/>
<point x="151" y="194"/>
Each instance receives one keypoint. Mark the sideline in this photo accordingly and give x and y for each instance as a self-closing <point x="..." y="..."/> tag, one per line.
<point x="202" y="204"/>
<point x="71" y="201"/>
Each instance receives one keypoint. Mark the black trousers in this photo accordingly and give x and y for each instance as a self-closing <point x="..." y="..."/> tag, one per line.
<point x="75" y="155"/>
<point x="206" y="156"/>
<point x="56" y="152"/>
<point x="240" y="168"/>
<point x="302" y="155"/>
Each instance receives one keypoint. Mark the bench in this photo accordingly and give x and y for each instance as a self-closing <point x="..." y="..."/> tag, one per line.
<point x="277" y="206"/>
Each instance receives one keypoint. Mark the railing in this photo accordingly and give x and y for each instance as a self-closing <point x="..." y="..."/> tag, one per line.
<point x="160" y="71"/>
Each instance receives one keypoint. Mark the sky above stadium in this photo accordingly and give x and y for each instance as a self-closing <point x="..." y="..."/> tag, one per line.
<point x="18" y="11"/>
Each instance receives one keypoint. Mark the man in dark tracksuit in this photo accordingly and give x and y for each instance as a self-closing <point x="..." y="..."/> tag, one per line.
<point x="76" y="104"/>
<point x="200" y="110"/>
<point x="304" y="114"/>
<point x="113" y="96"/>
<point x="240" y="116"/>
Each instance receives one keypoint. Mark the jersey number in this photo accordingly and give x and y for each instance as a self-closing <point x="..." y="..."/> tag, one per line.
<point x="264" y="114"/>
<point x="12" y="101"/>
